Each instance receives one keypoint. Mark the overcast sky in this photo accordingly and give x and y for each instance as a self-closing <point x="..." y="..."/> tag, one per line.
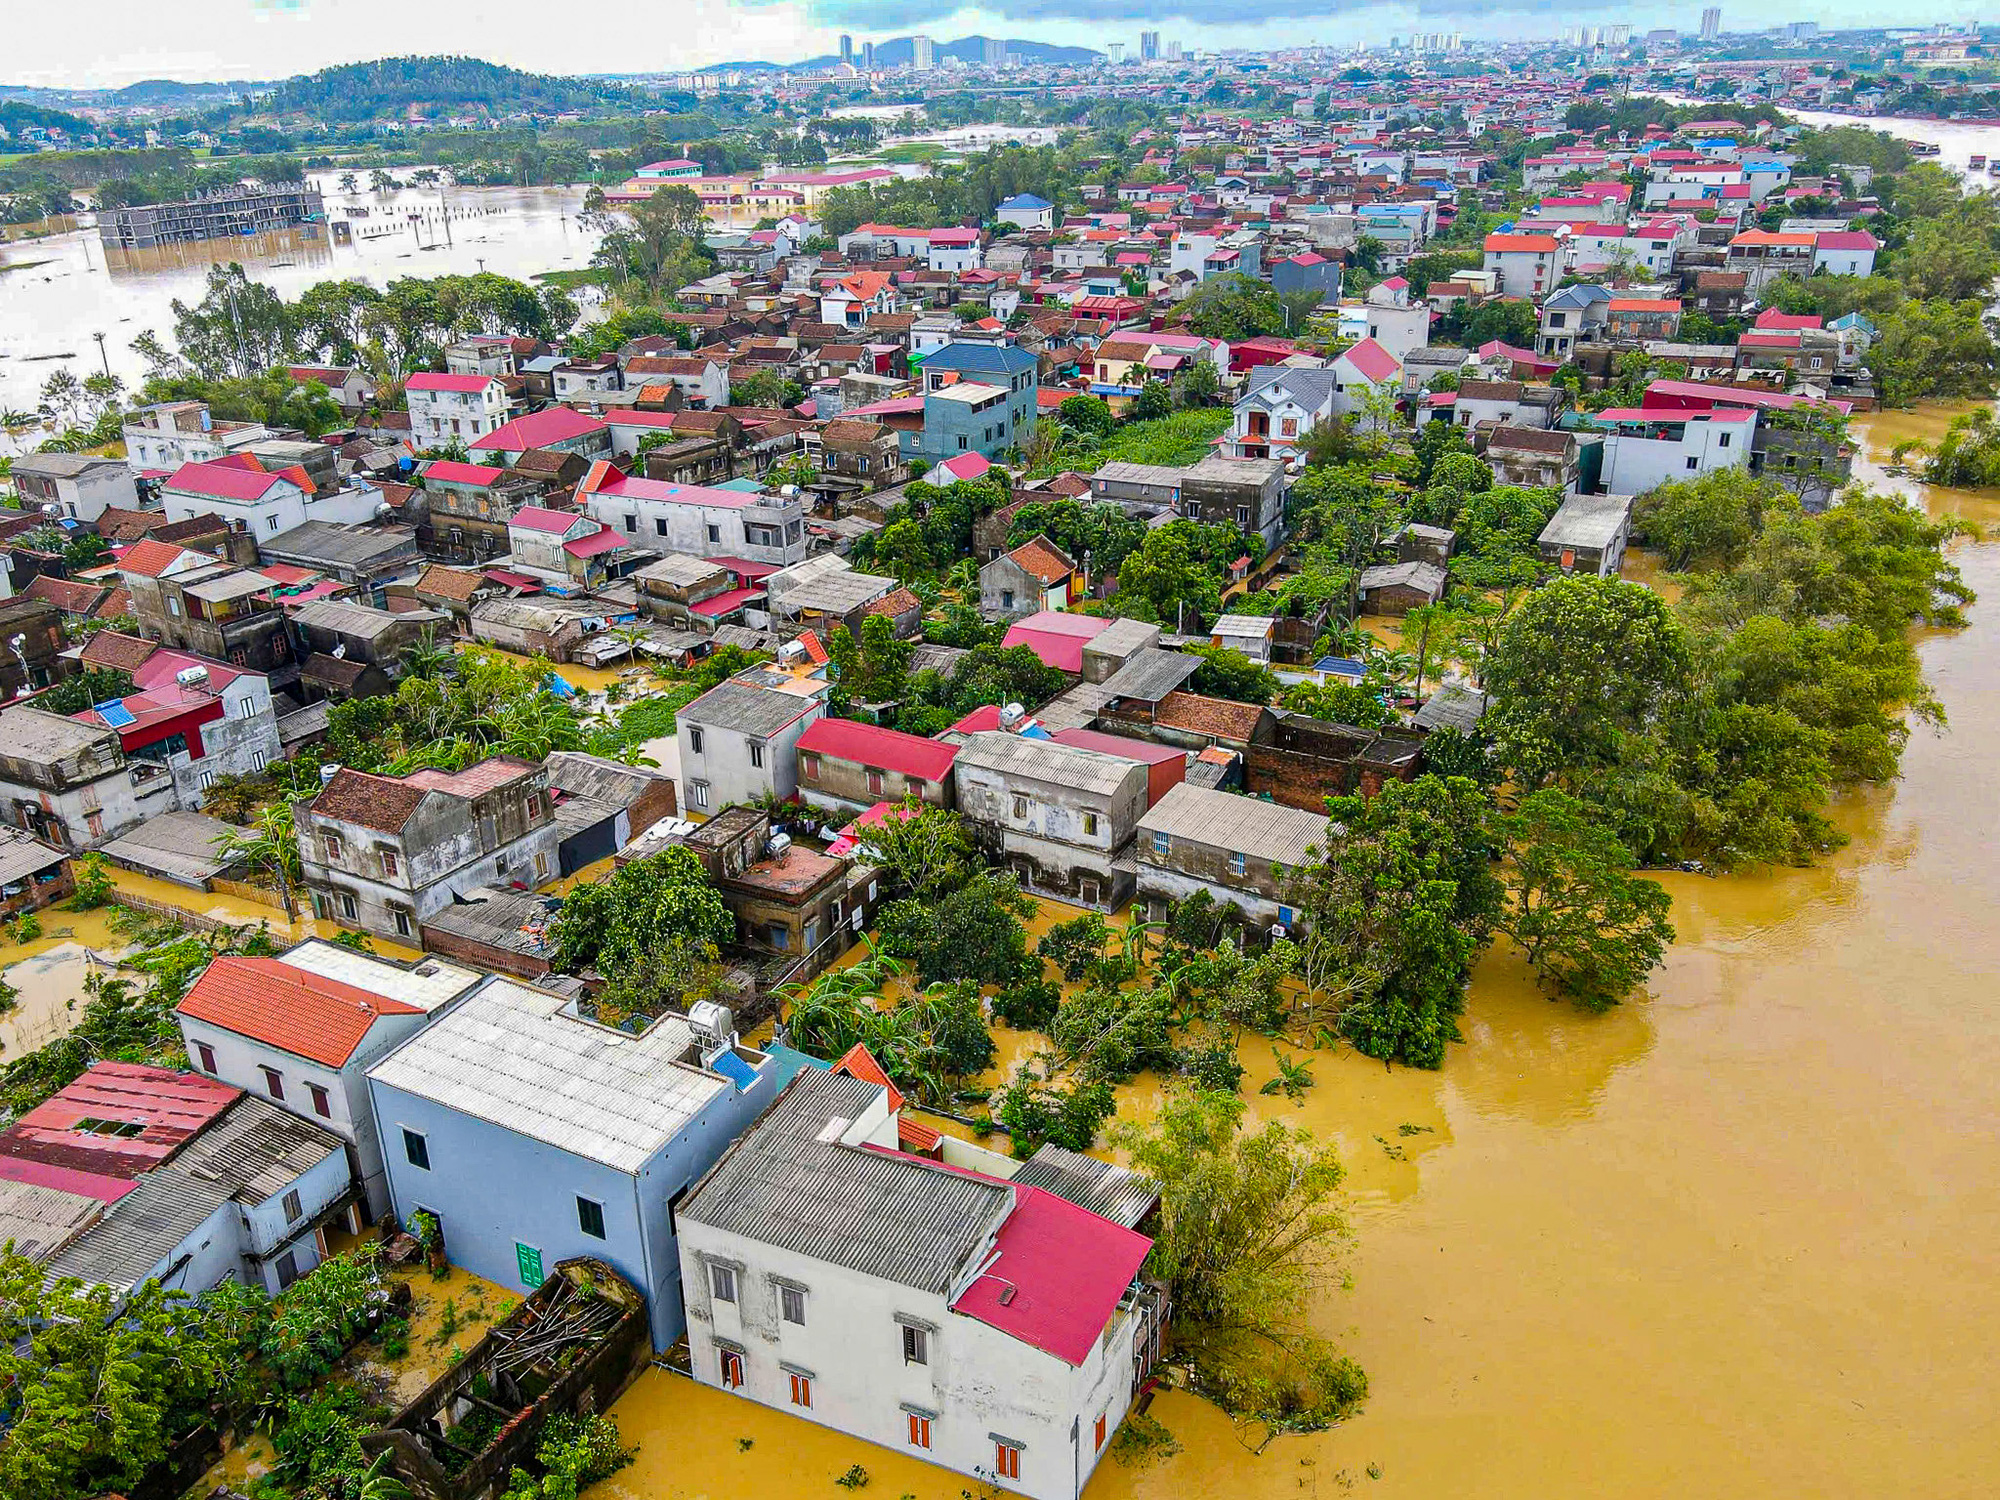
<point x="106" y="43"/>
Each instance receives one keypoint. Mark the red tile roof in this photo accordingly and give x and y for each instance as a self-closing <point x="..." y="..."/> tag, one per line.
<point x="872" y="745"/>
<point x="860" y="1063"/>
<point x="305" y="1014"/>
<point x="1041" y="559"/>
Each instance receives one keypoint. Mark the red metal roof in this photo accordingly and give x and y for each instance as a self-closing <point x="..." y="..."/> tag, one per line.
<point x="1061" y="1271"/>
<point x="872" y="745"/>
<point x="222" y="481"/>
<point x="555" y="424"/>
<point x="603" y="540"/>
<point x="450" y="471"/>
<point x="1123" y="746"/>
<point x="470" y="385"/>
<point x="726" y="602"/>
<point x="168" y="1106"/>
<point x="1056" y="636"/>
<point x="64" y="1179"/>
<point x="1373" y="361"/>
<point x="294" y="1010"/>
<point x="541" y="518"/>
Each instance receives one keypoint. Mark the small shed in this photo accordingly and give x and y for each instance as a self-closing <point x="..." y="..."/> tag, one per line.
<point x="1398" y="588"/>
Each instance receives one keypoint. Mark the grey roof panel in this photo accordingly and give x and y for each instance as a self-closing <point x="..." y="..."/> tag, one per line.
<point x="1149" y="674"/>
<point x="1588" y="521"/>
<point x="1114" y="1192"/>
<point x="1239" y="825"/>
<point x="895" y="1217"/>
<point x="1069" y="766"/>
<point x="746" y="708"/>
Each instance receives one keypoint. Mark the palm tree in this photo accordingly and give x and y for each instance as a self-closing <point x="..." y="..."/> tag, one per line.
<point x="425" y="658"/>
<point x="379" y="1483"/>
<point x="349" y="182"/>
<point x="380" y="181"/>
<point x="271" y="845"/>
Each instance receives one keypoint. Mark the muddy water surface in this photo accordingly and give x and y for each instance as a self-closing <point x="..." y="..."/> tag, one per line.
<point x="1741" y="1238"/>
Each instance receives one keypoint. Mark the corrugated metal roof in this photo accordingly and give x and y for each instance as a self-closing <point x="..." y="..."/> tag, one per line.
<point x="1149" y="674"/>
<point x="1238" y="825"/>
<point x="506" y="1055"/>
<point x="747" y="709"/>
<point x="1018" y="757"/>
<point x="884" y="1215"/>
<point x="22" y="854"/>
<point x="1116" y="1193"/>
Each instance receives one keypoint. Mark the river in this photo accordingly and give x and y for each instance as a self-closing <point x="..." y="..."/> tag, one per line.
<point x="60" y="293"/>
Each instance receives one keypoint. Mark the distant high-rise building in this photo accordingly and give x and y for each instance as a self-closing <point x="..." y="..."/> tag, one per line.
<point x="1617" y="36"/>
<point x="846" y="48"/>
<point x="1149" y="46"/>
<point x="923" y="53"/>
<point x="868" y="56"/>
<point x="993" y="52"/>
<point x="1114" y="52"/>
<point x="1711" y="23"/>
<point x="1801" y="31"/>
<point x="1173" y="51"/>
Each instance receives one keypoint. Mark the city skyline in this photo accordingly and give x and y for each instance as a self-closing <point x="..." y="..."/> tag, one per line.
<point x="239" y="40"/>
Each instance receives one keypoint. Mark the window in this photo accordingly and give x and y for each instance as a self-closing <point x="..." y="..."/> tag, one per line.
<point x="416" y="1149"/>
<point x="631" y="522"/>
<point x="322" y="1102"/>
<point x="348" y="908"/>
<point x="1694" y="463"/>
<point x="274" y="1082"/>
<point x="330" y="842"/>
<point x="402" y="924"/>
<point x="288" y="1270"/>
<point x="874" y="778"/>
<point x="273" y="523"/>
<point x="1006" y="1461"/>
<point x="1722" y="440"/>
<point x="1020" y="806"/>
<point x="920" y="1431"/>
<point x="916" y="1346"/>
<point x="590" y="1218"/>
<point x="207" y="780"/>
<point x="802" y="1390"/>
<point x="694" y="740"/>
<point x="915" y="786"/>
<point x="722" y="1282"/>
<point x="1100" y="1432"/>
<point x="1090" y="825"/>
<point x="715" y="533"/>
<point x="697" y="794"/>
<point x="389" y="864"/>
<point x="660" y="525"/>
<point x="258" y="760"/>
<point x="756" y="753"/>
<point x="1162" y="842"/>
<point x="732" y="1368"/>
<point x="1242" y="515"/>
<point x="1238" y="864"/>
<point x="792" y="1305"/>
<point x="206" y="1054"/>
<point x="809" y="767"/>
<point x="292" y="1208"/>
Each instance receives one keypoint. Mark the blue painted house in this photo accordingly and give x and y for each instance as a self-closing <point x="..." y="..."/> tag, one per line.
<point x="979" y="397"/>
<point x="534" y="1134"/>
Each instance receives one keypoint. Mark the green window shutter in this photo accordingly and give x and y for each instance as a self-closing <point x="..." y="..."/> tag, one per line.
<point x="529" y="1259"/>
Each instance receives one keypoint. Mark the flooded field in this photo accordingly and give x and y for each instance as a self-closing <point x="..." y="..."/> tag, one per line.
<point x="1740" y="1238"/>
<point x="49" y="311"/>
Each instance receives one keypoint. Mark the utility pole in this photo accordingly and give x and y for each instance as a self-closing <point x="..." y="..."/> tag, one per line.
<point x="106" y="358"/>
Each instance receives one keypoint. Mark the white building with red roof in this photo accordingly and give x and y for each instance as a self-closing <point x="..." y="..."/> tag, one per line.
<point x="556" y="428"/>
<point x="302" y="1029"/>
<point x="858" y="1269"/>
<point x="696" y="520"/>
<point x="447" y="409"/>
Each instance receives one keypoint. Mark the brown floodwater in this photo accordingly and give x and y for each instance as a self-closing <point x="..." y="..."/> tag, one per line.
<point x="1740" y="1237"/>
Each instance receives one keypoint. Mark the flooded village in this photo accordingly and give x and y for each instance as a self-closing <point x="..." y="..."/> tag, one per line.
<point x="1215" y="795"/>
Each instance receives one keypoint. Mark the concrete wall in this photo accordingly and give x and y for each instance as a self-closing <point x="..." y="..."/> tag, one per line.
<point x="723" y="763"/>
<point x="977" y="1379"/>
<point x="482" y="1226"/>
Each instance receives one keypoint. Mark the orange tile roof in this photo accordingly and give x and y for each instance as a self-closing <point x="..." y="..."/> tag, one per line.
<point x="149" y="559"/>
<point x="860" y="1063"/>
<point x="305" y="1014"/>
<point x="1041" y="559"/>
<point x="815" y="652"/>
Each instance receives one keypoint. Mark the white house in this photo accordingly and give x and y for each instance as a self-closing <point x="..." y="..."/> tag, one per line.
<point x="932" y="1305"/>
<point x="255" y="500"/>
<point x="173" y="433"/>
<point x="955" y="250"/>
<point x="1362" y="371"/>
<point x="79" y="485"/>
<point x="446" y="409"/>
<point x="702" y="381"/>
<point x="695" y="520"/>
<point x="738" y="742"/>
<point x="302" y="1029"/>
<point x="1527" y="264"/>
<point x="1280" y="404"/>
<point x="1650" y="448"/>
<point x="1844" y="252"/>
<point x="1026" y="211"/>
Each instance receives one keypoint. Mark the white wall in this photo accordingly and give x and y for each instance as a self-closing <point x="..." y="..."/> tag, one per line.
<point x="723" y="761"/>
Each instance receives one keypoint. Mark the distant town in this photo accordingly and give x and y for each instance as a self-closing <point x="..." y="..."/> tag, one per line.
<point x="736" y="821"/>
